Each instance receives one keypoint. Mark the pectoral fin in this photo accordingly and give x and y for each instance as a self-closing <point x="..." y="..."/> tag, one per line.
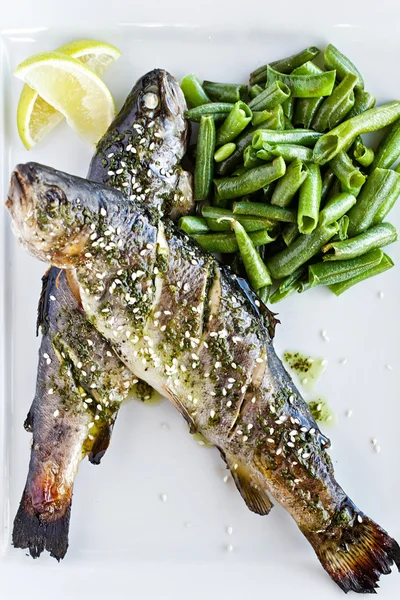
<point x="179" y="406"/>
<point x="250" y="488"/>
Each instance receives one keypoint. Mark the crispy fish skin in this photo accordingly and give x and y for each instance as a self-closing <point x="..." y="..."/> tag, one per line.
<point x="193" y="334"/>
<point x="76" y="374"/>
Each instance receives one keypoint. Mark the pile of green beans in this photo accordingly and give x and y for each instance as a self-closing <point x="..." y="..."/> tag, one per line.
<point x="285" y="180"/>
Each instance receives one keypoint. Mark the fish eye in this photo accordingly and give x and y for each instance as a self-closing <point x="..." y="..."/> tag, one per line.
<point x="151" y="100"/>
<point x="54" y="197"/>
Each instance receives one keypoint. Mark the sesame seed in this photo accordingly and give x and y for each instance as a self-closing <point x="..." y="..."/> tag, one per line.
<point x="377" y="448"/>
<point x="235" y="466"/>
<point x="304" y="381"/>
<point x="279" y="451"/>
<point x="103" y="212"/>
<point x="306" y="455"/>
<point x="380" y="295"/>
<point x="51" y="391"/>
<point x="349" y="413"/>
<point x="245" y="438"/>
<point x="270" y="441"/>
<point x="259" y="359"/>
<point x="56" y="413"/>
<point x="212" y="413"/>
<point x="325" y="335"/>
<point x="111" y="154"/>
<point x="225" y="478"/>
<point x="229" y="530"/>
<point x="224" y="392"/>
<point x="229" y="548"/>
<point x="52" y="298"/>
<point x="229" y="403"/>
<point x="389" y="367"/>
<point x="110" y="173"/>
<point x="164" y="497"/>
<point x="233" y="365"/>
<point x="217" y="365"/>
<point x="91" y="425"/>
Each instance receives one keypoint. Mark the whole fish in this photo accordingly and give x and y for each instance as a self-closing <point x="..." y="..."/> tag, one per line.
<point x="183" y="323"/>
<point x="81" y="382"/>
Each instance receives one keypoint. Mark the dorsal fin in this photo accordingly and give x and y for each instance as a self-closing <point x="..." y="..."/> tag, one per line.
<point x="48" y="279"/>
<point x="261" y="309"/>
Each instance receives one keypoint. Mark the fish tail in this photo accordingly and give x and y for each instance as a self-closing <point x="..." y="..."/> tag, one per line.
<point x="355" y="551"/>
<point x="39" y="531"/>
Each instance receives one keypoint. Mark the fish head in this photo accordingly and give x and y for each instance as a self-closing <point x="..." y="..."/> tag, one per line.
<point x="48" y="216"/>
<point x="160" y="98"/>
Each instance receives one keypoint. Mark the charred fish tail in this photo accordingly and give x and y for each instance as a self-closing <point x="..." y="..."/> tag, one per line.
<point x="354" y="550"/>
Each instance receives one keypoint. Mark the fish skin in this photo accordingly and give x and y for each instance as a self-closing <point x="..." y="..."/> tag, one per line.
<point x="222" y="375"/>
<point x="44" y="525"/>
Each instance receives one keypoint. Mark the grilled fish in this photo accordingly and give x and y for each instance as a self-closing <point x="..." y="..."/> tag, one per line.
<point x="81" y="381"/>
<point x="183" y="323"/>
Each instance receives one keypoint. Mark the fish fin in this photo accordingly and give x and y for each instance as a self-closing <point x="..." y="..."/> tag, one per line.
<point x="357" y="553"/>
<point x="41" y="531"/>
<point x="100" y="445"/>
<point x="185" y="414"/>
<point x="42" y="305"/>
<point x="250" y="489"/>
<point x="28" y="423"/>
<point x="268" y="317"/>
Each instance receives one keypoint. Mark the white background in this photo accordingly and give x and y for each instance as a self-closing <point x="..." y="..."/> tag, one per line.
<point x="126" y="543"/>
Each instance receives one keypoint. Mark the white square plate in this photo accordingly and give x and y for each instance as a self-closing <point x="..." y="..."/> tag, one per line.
<point x="124" y="541"/>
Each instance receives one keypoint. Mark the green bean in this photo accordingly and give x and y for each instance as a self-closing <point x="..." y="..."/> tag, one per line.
<point x="257" y="272"/>
<point x="306" y="107"/>
<point x="250" y="158"/>
<point x="218" y="110"/>
<point x="235" y="122"/>
<point x="204" y="168"/>
<point x="336" y="189"/>
<point x="286" y="188"/>
<point x="285" y="65"/>
<point x="290" y="233"/>
<point x="244" y="140"/>
<point x="288" y="285"/>
<point x="342" y="136"/>
<point x="362" y="101"/>
<point x="226" y="243"/>
<point x="263" y="293"/>
<point x="305" y="137"/>
<point x="288" y="108"/>
<point x="288" y="152"/>
<point x="258" y="209"/>
<point x="255" y="90"/>
<point x="214" y="215"/>
<point x="274" y="94"/>
<point x="190" y="224"/>
<point x="228" y="188"/>
<point x="385" y="208"/>
<point x="340" y="114"/>
<point x="288" y="123"/>
<point x="329" y="273"/>
<point x="309" y="200"/>
<point x="389" y="148"/>
<point x="377" y="236"/>
<point x="343" y="224"/>
<point x="305" y="86"/>
<point x="385" y="264"/>
<point x="383" y="185"/>
<point x="193" y="91"/>
<point x="327" y="182"/>
<point x="334" y="59"/>
<point x="300" y="251"/>
<point x="363" y="155"/>
<point x="323" y="118"/>
<point x="268" y="190"/>
<point x="335" y="208"/>
<point x="224" y="152"/>
<point x="225" y="92"/>
<point x="260" y="116"/>
<point x="354" y="191"/>
<point x="346" y="172"/>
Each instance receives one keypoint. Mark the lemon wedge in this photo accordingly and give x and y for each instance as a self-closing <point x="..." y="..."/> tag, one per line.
<point x="35" y="116"/>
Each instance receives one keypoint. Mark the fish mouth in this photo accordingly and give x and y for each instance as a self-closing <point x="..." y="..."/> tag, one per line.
<point x="19" y="199"/>
<point x="161" y="91"/>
